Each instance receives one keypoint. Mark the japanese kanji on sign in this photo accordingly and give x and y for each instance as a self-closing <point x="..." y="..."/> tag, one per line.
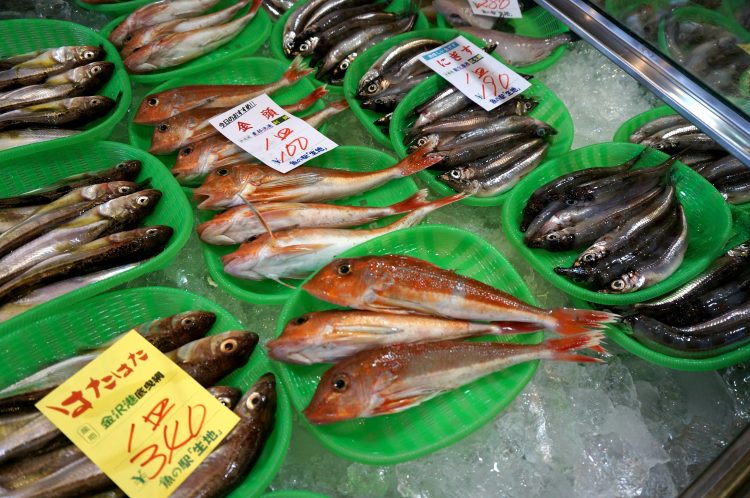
<point x="138" y="416"/>
<point x="482" y="78"/>
<point x="273" y="136"/>
<point x="496" y="8"/>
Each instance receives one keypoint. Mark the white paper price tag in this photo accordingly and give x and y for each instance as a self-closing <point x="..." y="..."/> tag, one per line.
<point x="496" y="8"/>
<point x="275" y="137"/>
<point x="482" y="78"/>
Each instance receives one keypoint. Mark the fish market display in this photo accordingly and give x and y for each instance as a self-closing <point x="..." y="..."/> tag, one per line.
<point x="334" y="32"/>
<point x="165" y="34"/>
<point x="398" y="347"/>
<point x="673" y="133"/>
<point x="514" y="49"/>
<point x="704" y="317"/>
<point x="632" y="227"/>
<point x="49" y="93"/>
<point x="485" y="153"/>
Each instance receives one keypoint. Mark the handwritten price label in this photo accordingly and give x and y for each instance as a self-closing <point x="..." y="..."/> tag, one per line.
<point x="144" y="421"/>
<point x="482" y="78"/>
<point x="272" y="135"/>
<point x="496" y="8"/>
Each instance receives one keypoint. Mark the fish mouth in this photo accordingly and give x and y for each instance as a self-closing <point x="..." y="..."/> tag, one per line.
<point x="205" y="200"/>
<point x="316" y="417"/>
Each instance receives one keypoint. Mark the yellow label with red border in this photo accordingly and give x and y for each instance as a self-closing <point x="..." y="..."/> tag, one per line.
<point x="138" y="416"/>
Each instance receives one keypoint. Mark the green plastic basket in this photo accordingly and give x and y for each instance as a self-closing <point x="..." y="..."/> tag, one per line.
<point x="702" y="15"/>
<point x="41" y="168"/>
<point x="347" y="157"/>
<point x="536" y="23"/>
<point x="245" y="44"/>
<point x="250" y="71"/>
<point x="362" y="64"/>
<point x="277" y="33"/>
<point x="25" y="35"/>
<point x="101" y="318"/>
<point x="447" y="418"/>
<point x="293" y="493"/>
<point x="114" y="9"/>
<point x="708" y="216"/>
<point x="550" y="110"/>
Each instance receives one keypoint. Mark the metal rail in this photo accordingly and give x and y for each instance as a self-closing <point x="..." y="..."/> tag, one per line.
<point x="682" y="92"/>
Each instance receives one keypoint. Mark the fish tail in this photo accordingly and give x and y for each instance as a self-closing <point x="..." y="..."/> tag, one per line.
<point x="419" y="159"/>
<point x="417" y="215"/>
<point x="574" y="321"/>
<point x="339" y="105"/>
<point x="414" y="202"/>
<point x="254" y="8"/>
<point x="311" y="98"/>
<point x="296" y="71"/>
<point x="560" y="348"/>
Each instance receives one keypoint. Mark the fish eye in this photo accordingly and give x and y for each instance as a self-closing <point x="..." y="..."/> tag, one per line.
<point x="340" y="383"/>
<point x="128" y="38"/>
<point x="88" y="54"/>
<point x="589" y="258"/>
<point x="152" y="231"/>
<point x="124" y="190"/>
<point x="95" y="101"/>
<point x="372" y="88"/>
<point x="163" y="127"/>
<point x="571" y="202"/>
<point x="552" y="236"/>
<point x="142" y="200"/>
<point x="344" y="65"/>
<point x="188" y="322"/>
<point x="344" y="269"/>
<point x="618" y="284"/>
<point x="153" y="101"/>
<point x="455" y="174"/>
<point x="186" y="151"/>
<point x="304" y="47"/>
<point x="422" y="141"/>
<point x="225" y="401"/>
<point x="300" y="320"/>
<point x="228" y="346"/>
<point x="96" y="69"/>
<point x="254" y="400"/>
<point x="379" y="101"/>
<point x="222" y="172"/>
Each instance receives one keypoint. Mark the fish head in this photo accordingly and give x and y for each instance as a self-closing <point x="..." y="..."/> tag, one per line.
<point x="740" y="251"/>
<point x="97" y="71"/>
<point x="553" y="241"/>
<point x="109" y="189"/>
<point x="154" y="107"/>
<point x="128" y="170"/>
<point x="372" y="87"/>
<point x="576" y="273"/>
<point x="98" y="104"/>
<point x="461" y="180"/>
<point x="381" y="103"/>
<point x="301" y="338"/>
<point x="338" y="72"/>
<point x="628" y="282"/>
<point x="223" y="184"/>
<point x="191" y="323"/>
<point x="232" y="348"/>
<point x="134" y="206"/>
<point x="193" y="160"/>
<point x="87" y="53"/>
<point x="343" y="279"/>
<point x="526" y="105"/>
<point x="246" y="260"/>
<point x="343" y="393"/>
<point x="226" y="395"/>
<point x="139" y="60"/>
<point x="259" y="402"/>
<point x="168" y="134"/>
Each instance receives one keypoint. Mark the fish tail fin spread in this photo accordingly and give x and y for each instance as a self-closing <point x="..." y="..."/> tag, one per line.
<point x="313" y="97"/>
<point x="418" y="215"/>
<point x="419" y="159"/>
<point x="414" y="202"/>
<point x="296" y="70"/>
<point x="560" y="348"/>
<point x="572" y="321"/>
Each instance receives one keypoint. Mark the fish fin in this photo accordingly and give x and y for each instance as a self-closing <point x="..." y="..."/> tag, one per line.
<point x="257" y="214"/>
<point x="398" y="306"/>
<point x="354" y="330"/>
<point x="397" y="405"/>
<point x="419" y="159"/>
<point x="339" y="105"/>
<point x="280" y="282"/>
<point x="311" y="98"/>
<point x="296" y="70"/>
<point x="572" y="321"/>
<point x="301" y="180"/>
<point x="414" y="202"/>
<point x="560" y="348"/>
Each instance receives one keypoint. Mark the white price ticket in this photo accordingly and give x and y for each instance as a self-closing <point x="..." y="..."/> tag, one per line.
<point x="272" y="135"/>
<point x="496" y="8"/>
<point x="479" y="76"/>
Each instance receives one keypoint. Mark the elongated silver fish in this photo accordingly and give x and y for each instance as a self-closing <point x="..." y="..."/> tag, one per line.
<point x="68" y="111"/>
<point x="519" y="50"/>
<point x="48" y="63"/>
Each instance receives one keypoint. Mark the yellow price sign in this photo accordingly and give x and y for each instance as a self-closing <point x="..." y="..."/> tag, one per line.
<point x="138" y="416"/>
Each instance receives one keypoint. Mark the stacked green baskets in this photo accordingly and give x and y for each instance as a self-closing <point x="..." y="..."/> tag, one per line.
<point x="114" y="8"/>
<point x="60" y="335"/>
<point x="25" y="35"/>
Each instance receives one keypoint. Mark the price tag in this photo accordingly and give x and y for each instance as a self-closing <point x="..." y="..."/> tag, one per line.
<point x="275" y="137"/>
<point x="482" y="78"/>
<point x="496" y="8"/>
<point x="138" y="416"/>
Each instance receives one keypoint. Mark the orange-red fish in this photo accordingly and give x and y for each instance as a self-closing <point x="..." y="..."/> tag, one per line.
<point x="394" y="378"/>
<point x="240" y="224"/>
<point x="400" y="284"/>
<point x="330" y="336"/>
<point x="192" y="126"/>
<point x="161" y="106"/>
<point x="226" y="187"/>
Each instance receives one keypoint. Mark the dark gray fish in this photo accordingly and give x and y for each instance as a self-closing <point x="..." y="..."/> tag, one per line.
<point x="48" y="63"/>
<point x="655" y="126"/>
<point x="312" y="33"/>
<point x="737" y="193"/>
<point x="74" y="110"/>
<point x="35" y="434"/>
<point x="445" y="103"/>
<point x="9" y="217"/>
<point x="298" y="20"/>
<point x="504" y="125"/>
<point x="388" y="100"/>
<point x="30" y="469"/>
<point x="717" y="170"/>
<point x="335" y="34"/>
<point x="393" y="60"/>
<point x="487" y="165"/>
<point x="459" y="155"/>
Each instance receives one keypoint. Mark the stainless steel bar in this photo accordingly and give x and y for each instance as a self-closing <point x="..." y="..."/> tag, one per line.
<point x="706" y="110"/>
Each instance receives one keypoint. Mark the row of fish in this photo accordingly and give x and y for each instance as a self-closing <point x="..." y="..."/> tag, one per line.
<point x="169" y="33"/>
<point x="284" y="230"/>
<point x="81" y="226"/>
<point x="704" y="317"/>
<point x="39" y="461"/>
<point x="485" y="153"/>
<point x="335" y="32"/>
<point x="633" y="228"/>
<point x="673" y="133"/>
<point x="276" y="8"/>
<point x="181" y="119"/>
<point x="46" y="94"/>
<point x="399" y="346"/>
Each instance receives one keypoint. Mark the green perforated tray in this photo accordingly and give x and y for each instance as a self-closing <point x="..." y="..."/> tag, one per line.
<point x="277" y="33"/>
<point x="243" y="45"/>
<point x="101" y="318"/>
<point x="447" y="418"/>
<point x="250" y="71"/>
<point x="550" y="110"/>
<point x="708" y="216"/>
<point x="37" y="169"/>
<point x="537" y="23"/>
<point x="24" y="35"/>
<point x="343" y="157"/>
<point x="115" y="8"/>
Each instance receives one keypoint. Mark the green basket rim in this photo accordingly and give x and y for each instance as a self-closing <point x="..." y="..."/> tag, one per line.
<point x="301" y="88"/>
<point x="258" y="361"/>
<point x="152" y="168"/>
<point x="518" y="198"/>
<point x="279" y="294"/>
<point x="278" y="29"/>
<point x="114" y="9"/>
<point x="260" y="23"/>
<point x="103" y="129"/>
<point x="564" y="137"/>
<point x="351" y="451"/>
